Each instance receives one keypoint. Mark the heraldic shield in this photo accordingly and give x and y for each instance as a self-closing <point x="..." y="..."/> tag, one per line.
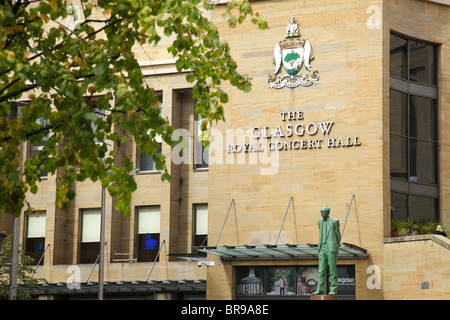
<point x="292" y="53"/>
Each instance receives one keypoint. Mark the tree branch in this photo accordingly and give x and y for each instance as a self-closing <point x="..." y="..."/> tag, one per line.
<point x="17" y="92"/>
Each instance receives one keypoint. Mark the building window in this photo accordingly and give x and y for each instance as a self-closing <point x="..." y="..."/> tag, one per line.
<point x="90" y="235"/>
<point x="200" y="225"/>
<point x="148" y="233"/>
<point x="413" y="130"/>
<point x="145" y="163"/>
<point x="201" y="154"/>
<point x="413" y="60"/>
<point x="35" y="239"/>
<point x="413" y="138"/>
<point x="35" y="148"/>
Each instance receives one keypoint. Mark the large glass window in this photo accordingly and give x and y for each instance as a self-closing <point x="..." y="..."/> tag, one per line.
<point x="422" y="65"/>
<point x="413" y="138"/>
<point x="413" y="60"/>
<point x="411" y="207"/>
<point x="413" y="130"/>
<point x="399" y="54"/>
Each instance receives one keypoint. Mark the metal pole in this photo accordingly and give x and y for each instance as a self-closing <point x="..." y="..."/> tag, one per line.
<point x="14" y="259"/>
<point x="348" y="211"/>
<point x="102" y="248"/>
<point x="95" y="264"/>
<point x="290" y="199"/>
<point x="156" y="258"/>
<point x="42" y="257"/>
<point x="223" y="225"/>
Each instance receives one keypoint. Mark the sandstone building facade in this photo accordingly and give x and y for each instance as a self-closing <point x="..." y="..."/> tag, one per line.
<point x="350" y="112"/>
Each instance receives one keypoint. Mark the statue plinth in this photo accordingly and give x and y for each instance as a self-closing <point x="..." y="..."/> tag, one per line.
<point x="324" y="297"/>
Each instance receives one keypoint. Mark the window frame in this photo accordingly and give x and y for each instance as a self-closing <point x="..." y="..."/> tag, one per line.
<point x="85" y="248"/>
<point x="35" y="148"/>
<point x="140" y="154"/>
<point x="430" y="91"/>
<point x="199" y="150"/>
<point x="199" y="239"/>
<point x="153" y="256"/>
<point x="36" y="255"/>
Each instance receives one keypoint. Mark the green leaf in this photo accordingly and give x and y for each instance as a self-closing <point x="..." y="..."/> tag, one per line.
<point x="90" y="116"/>
<point x="179" y="64"/>
<point x="96" y="66"/>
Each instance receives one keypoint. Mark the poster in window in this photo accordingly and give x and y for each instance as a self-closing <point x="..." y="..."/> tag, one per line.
<point x="278" y="281"/>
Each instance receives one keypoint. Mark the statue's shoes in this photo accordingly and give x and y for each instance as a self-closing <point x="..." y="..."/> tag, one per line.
<point x="317" y="293"/>
<point x="332" y="293"/>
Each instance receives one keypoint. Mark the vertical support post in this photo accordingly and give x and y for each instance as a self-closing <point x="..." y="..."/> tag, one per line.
<point x="279" y="233"/>
<point x="102" y="248"/>
<point x="14" y="259"/>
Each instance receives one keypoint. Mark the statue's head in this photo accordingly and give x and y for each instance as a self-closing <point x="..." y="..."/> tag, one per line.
<point x="325" y="212"/>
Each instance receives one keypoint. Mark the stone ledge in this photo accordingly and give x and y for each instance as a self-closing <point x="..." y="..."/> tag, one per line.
<point x="441" y="240"/>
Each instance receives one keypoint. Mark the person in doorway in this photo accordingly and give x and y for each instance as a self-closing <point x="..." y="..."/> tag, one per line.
<point x="329" y="239"/>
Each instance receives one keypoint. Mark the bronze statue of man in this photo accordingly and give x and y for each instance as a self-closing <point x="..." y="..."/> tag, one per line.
<point x="329" y="240"/>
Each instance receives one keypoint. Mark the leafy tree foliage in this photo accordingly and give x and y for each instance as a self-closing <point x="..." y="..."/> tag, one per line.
<point x="83" y="83"/>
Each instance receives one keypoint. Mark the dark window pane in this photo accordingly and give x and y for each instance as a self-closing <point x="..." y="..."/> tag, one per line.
<point x="89" y="252"/>
<point x="34" y="248"/>
<point x="422" y="62"/>
<point x="398" y="57"/>
<point x="423" y="122"/>
<point x="399" y="206"/>
<point x="399" y="165"/>
<point x="423" y="161"/>
<point x="348" y="286"/>
<point x="200" y="240"/>
<point x="423" y="209"/>
<point x="398" y="112"/>
<point x="148" y="247"/>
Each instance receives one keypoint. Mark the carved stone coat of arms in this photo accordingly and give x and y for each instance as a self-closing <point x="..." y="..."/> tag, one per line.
<point x="292" y="53"/>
